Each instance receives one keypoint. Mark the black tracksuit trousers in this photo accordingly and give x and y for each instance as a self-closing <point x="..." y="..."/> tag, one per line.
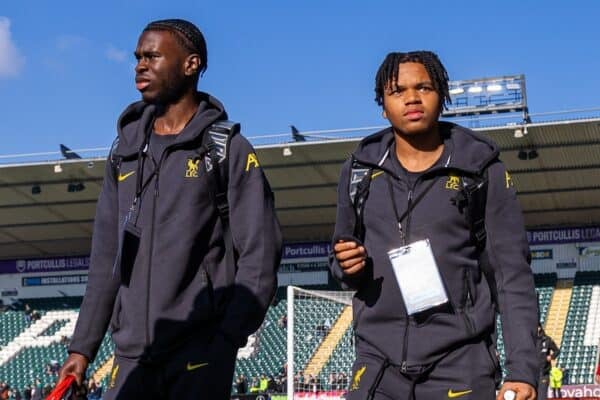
<point x="197" y="370"/>
<point x="466" y="373"/>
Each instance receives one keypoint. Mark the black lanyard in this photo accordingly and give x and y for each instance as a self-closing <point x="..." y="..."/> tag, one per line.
<point x="411" y="205"/>
<point x="139" y="181"/>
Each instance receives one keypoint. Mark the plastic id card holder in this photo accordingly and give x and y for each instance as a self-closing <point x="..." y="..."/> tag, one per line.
<point x="127" y="252"/>
<point x="418" y="276"/>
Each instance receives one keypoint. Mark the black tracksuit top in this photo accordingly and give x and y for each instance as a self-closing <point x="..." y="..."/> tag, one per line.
<point x="379" y="311"/>
<point x="180" y="286"/>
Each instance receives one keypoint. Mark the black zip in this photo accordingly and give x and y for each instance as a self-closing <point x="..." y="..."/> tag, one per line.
<point x="467" y="300"/>
<point x="149" y="274"/>
<point x="156" y="172"/>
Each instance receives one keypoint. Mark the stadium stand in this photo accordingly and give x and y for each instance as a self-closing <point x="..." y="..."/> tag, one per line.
<point x="267" y="355"/>
<point x="316" y="319"/>
<point x="32" y="349"/>
<point x="579" y="344"/>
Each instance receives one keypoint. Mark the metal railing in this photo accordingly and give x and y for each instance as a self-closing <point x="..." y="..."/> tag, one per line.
<point x="281" y="139"/>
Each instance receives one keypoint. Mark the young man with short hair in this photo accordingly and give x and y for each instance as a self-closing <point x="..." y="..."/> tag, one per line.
<point x="424" y="314"/>
<point x="184" y="272"/>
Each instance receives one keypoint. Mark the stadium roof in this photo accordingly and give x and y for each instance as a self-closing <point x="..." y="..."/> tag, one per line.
<point x="561" y="187"/>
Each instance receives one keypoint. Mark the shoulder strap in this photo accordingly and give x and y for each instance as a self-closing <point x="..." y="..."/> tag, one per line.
<point x="475" y="192"/>
<point x="115" y="161"/>
<point x="217" y="139"/>
<point x="360" y="182"/>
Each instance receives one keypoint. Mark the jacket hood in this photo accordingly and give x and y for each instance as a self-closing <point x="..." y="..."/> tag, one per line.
<point x="469" y="151"/>
<point x="137" y="119"/>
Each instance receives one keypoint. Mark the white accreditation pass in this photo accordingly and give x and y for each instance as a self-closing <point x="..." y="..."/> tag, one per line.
<point x="418" y="276"/>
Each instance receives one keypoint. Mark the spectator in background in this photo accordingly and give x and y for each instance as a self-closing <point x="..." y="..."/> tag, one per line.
<point x="4" y="391"/>
<point x="94" y="391"/>
<point x="36" y="390"/>
<point x="282" y="321"/>
<point x="333" y="383"/>
<point x="27" y="311"/>
<point x="254" y="387"/>
<point x="46" y="390"/>
<point x="342" y="381"/>
<point x="547" y="351"/>
<point x="264" y="384"/>
<point x="283" y="384"/>
<point x="556" y="376"/>
<point x="27" y="393"/>
<point x="241" y="384"/>
<point x="298" y="382"/>
<point x="272" y="385"/>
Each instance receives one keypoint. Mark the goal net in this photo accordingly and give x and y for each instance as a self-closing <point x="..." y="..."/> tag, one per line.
<point x="320" y="348"/>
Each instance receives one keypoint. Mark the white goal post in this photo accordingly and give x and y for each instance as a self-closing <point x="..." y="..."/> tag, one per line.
<point x="320" y="348"/>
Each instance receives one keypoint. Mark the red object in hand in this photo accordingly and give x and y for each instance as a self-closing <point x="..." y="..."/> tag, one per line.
<point x="64" y="389"/>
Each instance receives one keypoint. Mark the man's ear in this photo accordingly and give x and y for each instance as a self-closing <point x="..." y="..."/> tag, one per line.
<point x="192" y="64"/>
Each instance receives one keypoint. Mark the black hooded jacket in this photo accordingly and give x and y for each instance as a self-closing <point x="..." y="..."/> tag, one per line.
<point x="380" y="318"/>
<point x="180" y="286"/>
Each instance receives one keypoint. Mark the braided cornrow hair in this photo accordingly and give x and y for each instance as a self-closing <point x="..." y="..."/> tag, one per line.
<point x="187" y="35"/>
<point x="388" y="73"/>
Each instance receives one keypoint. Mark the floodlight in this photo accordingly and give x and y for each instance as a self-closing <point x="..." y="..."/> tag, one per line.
<point x="287" y="151"/>
<point x="57" y="169"/>
<point x="457" y="90"/>
<point x="475" y="89"/>
<point x="519" y="133"/>
<point x="513" y="86"/>
<point x="494" y="87"/>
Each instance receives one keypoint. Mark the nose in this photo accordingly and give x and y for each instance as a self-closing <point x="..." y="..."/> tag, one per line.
<point x="141" y="65"/>
<point x="411" y="96"/>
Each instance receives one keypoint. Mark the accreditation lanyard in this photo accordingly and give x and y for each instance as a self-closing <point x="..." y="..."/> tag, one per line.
<point x="414" y="265"/>
<point x="411" y="205"/>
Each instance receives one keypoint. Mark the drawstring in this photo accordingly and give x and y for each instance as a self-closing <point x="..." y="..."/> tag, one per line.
<point x="386" y="363"/>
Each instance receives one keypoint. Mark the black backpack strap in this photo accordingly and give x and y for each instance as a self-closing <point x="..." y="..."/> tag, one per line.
<point x="475" y="194"/>
<point x="360" y="182"/>
<point x="217" y="139"/>
<point x="113" y="158"/>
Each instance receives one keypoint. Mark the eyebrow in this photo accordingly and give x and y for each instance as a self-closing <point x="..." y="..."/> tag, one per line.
<point x="394" y="85"/>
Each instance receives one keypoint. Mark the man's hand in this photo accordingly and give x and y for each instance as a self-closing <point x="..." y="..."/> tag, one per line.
<point x="524" y="391"/>
<point x="75" y="365"/>
<point x="351" y="257"/>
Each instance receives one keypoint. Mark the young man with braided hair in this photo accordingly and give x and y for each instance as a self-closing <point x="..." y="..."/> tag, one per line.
<point x="183" y="265"/>
<point x="424" y="310"/>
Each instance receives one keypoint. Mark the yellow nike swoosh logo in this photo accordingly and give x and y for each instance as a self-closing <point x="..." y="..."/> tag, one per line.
<point x="122" y="177"/>
<point x="453" y="395"/>
<point x="191" y="367"/>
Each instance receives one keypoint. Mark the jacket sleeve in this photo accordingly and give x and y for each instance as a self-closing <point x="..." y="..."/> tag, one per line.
<point x="508" y="252"/>
<point x="257" y="239"/>
<point x="101" y="290"/>
<point x="553" y="347"/>
<point x="344" y="230"/>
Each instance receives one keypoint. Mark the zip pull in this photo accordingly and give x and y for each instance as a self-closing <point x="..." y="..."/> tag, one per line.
<point x="404" y="367"/>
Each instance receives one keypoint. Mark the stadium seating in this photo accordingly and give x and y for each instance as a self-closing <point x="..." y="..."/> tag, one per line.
<point x="266" y="352"/>
<point x="269" y="349"/>
<point x="580" y="341"/>
<point x="35" y="344"/>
